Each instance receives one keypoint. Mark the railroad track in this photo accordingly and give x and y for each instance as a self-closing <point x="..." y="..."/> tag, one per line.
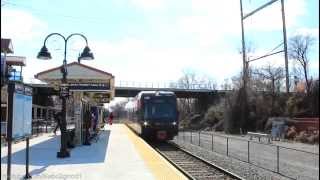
<point x="191" y="165"/>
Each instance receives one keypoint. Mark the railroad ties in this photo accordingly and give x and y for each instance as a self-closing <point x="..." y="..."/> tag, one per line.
<point x="192" y="166"/>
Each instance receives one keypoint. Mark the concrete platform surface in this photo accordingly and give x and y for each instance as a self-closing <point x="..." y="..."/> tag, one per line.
<point x="118" y="154"/>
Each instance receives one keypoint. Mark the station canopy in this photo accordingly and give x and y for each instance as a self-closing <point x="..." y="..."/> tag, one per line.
<point x="98" y="85"/>
<point x="16" y="60"/>
<point x="6" y="46"/>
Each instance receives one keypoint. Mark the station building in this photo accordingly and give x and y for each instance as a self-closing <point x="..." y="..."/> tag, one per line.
<point x="89" y="88"/>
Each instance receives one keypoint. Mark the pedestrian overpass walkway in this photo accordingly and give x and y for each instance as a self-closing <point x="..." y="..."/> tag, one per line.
<point x="118" y="154"/>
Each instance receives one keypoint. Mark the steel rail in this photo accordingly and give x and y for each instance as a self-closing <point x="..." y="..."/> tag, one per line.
<point x="211" y="165"/>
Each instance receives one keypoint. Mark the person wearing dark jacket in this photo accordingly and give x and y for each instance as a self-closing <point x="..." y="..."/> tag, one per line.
<point x="87" y="125"/>
<point x="57" y="118"/>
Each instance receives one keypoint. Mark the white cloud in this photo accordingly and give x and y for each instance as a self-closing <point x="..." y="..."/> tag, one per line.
<point x="211" y="22"/>
<point x="149" y="4"/>
<point x="314" y="69"/>
<point x="270" y="18"/>
<point x="21" y="25"/>
<point x="204" y="28"/>
<point x="308" y="31"/>
<point x="35" y="66"/>
<point x="214" y="19"/>
<point x="23" y="28"/>
<point x="133" y="60"/>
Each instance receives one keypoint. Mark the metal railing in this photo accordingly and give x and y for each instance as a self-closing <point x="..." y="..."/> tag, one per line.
<point x="288" y="162"/>
<point x="166" y="85"/>
<point x="42" y="121"/>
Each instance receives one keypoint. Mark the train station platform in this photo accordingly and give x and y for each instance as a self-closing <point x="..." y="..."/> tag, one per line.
<point x="118" y="154"/>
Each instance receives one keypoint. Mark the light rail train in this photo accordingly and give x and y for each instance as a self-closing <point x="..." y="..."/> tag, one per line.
<point x="154" y="115"/>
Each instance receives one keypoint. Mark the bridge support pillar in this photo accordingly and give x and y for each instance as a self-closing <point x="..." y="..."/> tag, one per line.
<point x="204" y="102"/>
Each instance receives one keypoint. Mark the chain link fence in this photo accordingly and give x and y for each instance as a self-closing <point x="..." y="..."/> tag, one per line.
<point x="289" y="162"/>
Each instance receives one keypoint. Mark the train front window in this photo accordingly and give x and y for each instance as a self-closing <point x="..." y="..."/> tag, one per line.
<point x="159" y="110"/>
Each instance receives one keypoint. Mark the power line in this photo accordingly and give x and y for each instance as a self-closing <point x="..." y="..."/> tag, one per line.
<point x="259" y="8"/>
<point x="276" y="47"/>
<point x="269" y="53"/>
<point x="266" y="55"/>
<point x="46" y="13"/>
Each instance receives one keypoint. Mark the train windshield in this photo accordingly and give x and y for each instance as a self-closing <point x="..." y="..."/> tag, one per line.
<point x="160" y="109"/>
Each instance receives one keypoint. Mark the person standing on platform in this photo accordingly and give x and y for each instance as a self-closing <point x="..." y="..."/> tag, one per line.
<point x="110" y="118"/>
<point x="87" y="125"/>
<point x="93" y="122"/>
<point x="57" y="118"/>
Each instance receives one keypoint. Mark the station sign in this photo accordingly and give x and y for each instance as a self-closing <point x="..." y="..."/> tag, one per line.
<point x="21" y="110"/>
<point x="64" y="90"/>
<point x="101" y="98"/>
<point x="100" y="104"/>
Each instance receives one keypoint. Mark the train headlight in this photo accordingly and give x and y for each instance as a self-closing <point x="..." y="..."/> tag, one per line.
<point x="145" y="123"/>
<point x="174" y="123"/>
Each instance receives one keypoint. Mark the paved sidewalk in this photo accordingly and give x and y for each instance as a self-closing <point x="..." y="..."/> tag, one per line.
<point x="114" y="156"/>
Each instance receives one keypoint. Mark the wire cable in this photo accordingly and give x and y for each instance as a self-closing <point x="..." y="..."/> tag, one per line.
<point x="270" y="53"/>
<point x="46" y="13"/>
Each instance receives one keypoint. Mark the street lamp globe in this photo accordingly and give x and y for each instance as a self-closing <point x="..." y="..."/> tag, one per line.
<point x="44" y="54"/>
<point x="86" y="54"/>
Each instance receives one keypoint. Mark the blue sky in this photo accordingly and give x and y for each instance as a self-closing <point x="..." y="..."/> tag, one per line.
<point x="155" y="41"/>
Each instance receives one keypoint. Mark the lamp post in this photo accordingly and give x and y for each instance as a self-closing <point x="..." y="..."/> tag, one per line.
<point x="45" y="55"/>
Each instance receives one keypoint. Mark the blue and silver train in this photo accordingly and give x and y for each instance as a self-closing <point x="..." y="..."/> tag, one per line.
<point x="154" y="115"/>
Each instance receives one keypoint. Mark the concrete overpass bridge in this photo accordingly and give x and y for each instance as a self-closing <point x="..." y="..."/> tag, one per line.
<point x="205" y="94"/>
<point x="131" y="89"/>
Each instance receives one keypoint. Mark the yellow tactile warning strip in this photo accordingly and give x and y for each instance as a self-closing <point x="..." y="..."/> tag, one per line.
<point x="159" y="166"/>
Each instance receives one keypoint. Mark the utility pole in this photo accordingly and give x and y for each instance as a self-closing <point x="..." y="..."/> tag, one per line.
<point x="284" y="37"/>
<point x="243" y="93"/>
<point x="243" y="48"/>
<point x="285" y="45"/>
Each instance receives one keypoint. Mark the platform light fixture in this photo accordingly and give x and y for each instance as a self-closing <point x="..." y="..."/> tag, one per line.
<point x="44" y="54"/>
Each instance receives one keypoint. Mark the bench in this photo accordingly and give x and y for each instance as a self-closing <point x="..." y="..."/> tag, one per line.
<point x="259" y="136"/>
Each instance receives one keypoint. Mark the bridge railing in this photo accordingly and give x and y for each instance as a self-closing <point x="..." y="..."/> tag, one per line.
<point x="165" y="85"/>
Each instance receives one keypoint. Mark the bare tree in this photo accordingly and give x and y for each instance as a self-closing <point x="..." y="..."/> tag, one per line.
<point x="269" y="76"/>
<point x="299" y="47"/>
<point x="186" y="81"/>
<point x="191" y="80"/>
<point x="250" y="49"/>
<point x="119" y="109"/>
<point x="237" y="81"/>
<point x="226" y="85"/>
